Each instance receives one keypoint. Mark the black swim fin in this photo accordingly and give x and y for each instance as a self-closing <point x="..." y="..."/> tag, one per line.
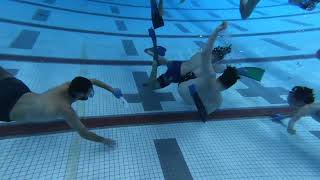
<point x="157" y="20"/>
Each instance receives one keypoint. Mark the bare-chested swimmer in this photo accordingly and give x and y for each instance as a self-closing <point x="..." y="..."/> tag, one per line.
<point x="303" y="99"/>
<point x="19" y="104"/>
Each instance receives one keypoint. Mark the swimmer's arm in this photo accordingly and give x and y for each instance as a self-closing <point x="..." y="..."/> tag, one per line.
<point x="74" y="122"/>
<point x="102" y="85"/>
<point x="297" y="116"/>
<point x="207" y="50"/>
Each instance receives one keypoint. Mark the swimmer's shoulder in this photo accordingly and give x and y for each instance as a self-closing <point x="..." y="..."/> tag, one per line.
<point x="58" y="88"/>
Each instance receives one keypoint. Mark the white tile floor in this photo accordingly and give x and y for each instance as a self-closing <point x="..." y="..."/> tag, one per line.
<point x="244" y="149"/>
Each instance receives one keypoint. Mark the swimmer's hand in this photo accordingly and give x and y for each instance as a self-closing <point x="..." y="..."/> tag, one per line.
<point x="117" y="93"/>
<point x="278" y="117"/>
<point x="291" y="131"/>
<point x="223" y="26"/>
<point x="109" y="142"/>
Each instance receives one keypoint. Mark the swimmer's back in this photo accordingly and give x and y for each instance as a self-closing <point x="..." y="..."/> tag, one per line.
<point x="43" y="107"/>
<point x="209" y="94"/>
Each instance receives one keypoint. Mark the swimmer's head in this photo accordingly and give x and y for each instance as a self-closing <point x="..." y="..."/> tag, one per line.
<point x="300" y="96"/>
<point x="229" y="77"/>
<point x="81" y="88"/>
<point x="218" y="53"/>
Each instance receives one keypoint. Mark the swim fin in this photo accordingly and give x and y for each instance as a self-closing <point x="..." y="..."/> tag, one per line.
<point x="198" y="102"/>
<point x="251" y="72"/>
<point x="161" y="50"/>
<point x="318" y="54"/>
<point x="157" y="20"/>
<point x="153" y="36"/>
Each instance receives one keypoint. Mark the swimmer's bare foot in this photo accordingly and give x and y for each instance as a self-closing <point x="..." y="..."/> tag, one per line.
<point x="149" y="51"/>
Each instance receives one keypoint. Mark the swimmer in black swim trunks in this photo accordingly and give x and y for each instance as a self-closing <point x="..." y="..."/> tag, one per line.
<point x="200" y="73"/>
<point x="181" y="71"/>
<point x="19" y="104"/>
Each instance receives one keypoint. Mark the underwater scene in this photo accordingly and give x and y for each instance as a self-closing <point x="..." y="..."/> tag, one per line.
<point x="159" y="89"/>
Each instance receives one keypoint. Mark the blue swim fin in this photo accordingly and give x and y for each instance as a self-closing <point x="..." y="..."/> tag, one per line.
<point x="277" y="118"/>
<point x="198" y="102"/>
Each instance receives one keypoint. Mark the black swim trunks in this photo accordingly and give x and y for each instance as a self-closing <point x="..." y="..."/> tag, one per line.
<point x="173" y="74"/>
<point x="11" y="89"/>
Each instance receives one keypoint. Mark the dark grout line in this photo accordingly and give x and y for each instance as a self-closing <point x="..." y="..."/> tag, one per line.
<point x="148" y="19"/>
<point x="14" y="130"/>
<point x="43" y="59"/>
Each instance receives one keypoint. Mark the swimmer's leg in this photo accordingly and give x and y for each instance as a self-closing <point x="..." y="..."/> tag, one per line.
<point x="4" y="74"/>
<point x="154" y="71"/>
<point x="247" y="7"/>
<point x="158" y="83"/>
<point x="189" y="66"/>
<point x="161" y="60"/>
<point x="152" y="82"/>
<point x="161" y="82"/>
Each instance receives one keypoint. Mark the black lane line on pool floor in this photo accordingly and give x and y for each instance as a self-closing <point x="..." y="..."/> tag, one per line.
<point x="105" y="33"/>
<point x="172" y="162"/>
<point x="119" y="62"/>
<point x="25" y="40"/>
<point x="41" y="15"/>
